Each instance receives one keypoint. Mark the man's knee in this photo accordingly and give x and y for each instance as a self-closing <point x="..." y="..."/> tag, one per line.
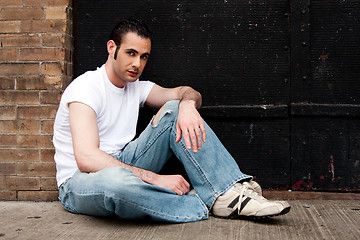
<point x="170" y="107"/>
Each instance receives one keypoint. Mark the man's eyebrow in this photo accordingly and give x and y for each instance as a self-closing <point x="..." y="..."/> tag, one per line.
<point x="131" y="49"/>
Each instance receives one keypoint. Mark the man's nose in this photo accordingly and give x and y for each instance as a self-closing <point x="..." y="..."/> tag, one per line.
<point x="136" y="63"/>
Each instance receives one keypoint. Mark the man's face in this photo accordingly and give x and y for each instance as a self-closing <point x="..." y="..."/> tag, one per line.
<point x="131" y="58"/>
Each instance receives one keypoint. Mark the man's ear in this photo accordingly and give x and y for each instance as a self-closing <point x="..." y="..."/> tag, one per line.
<point x="111" y="47"/>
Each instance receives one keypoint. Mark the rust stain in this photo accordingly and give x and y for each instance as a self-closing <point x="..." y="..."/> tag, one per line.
<point x="303" y="184"/>
<point x="324" y="57"/>
<point x="332" y="168"/>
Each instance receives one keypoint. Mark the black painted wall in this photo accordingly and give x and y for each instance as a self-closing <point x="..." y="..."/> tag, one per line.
<point x="280" y="81"/>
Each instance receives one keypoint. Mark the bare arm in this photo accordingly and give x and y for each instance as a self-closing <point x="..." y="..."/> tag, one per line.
<point x="190" y="125"/>
<point x="90" y="158"/>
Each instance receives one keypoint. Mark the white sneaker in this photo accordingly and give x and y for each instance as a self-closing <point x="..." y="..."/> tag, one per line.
<point x="243" y="200"/>
<point x="256" y="187"/>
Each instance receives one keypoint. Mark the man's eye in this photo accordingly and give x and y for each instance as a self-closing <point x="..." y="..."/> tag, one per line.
<point x="131" y="53"/>
<point x="145" y="57"/>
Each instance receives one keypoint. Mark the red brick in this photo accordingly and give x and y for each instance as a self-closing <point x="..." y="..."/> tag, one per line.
<point x="7" y="112"/>
<point x="38" y="195"/>
<point x="66" y="81"/>
<point x="16" y="69"/>
<point x="5" y="3"/>
<point x="19" y="126"/>
<point x="34" y="83"/>
<point x="57" y="12"/>
<point x="20" y="183"/>
<point x="48" y="183"/>
<point x="44" y="26"/>
<point x="42" y="54"/>
<point x="47" y="126"/>
<point x="55" y="81"/>
<point x="7" y="168"/>
<point x="2" y="182"/>
<point x="20" y="13"/>
<point x="11" y="155"/>
<point x="53" y="68"/>
<point x="37" y="112"/>
<point x="10" y="26"/>
<point x="47" y="155"/>
<point x="69" y="67"/>
<point x="48" y="2"/>
<point x="50" y="97"/>
<point x="58" y="40"/>
<point x="8" y="195"/>
<point x="20" y="40"/>
<point x="68" y="55"/>
<point x="34" y="140"/>
<point x="8" y="55"/>
<point x="7" y="83"/>
<point x="19" y="97"/>
<point x="7" y="140"/>
<point x="44" y="169"/>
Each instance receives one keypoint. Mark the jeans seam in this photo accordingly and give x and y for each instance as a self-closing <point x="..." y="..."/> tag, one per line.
<point x="195" y="163"/>
<point x="158" y="213"/>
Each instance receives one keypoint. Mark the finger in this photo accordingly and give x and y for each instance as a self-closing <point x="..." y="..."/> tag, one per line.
<point x="187" y="187"/>
<point x="186" y="139"/>
<point x="184" y="186"/>
<point x="183" y="189"/>
<point x="178" y="133"/>
<point x="198" y="137"/>
<point x="203" y="131"/>
<point x="193" y="141"/>
<point x="178" y="192"/>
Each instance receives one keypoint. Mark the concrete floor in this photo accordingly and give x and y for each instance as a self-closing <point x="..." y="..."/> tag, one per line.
<point x="308" y="219"/>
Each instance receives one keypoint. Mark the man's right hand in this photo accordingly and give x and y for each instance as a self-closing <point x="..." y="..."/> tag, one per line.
<point x="175" y="183"/>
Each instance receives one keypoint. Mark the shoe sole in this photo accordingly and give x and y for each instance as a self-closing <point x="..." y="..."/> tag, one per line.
<point x="234" y="215"/>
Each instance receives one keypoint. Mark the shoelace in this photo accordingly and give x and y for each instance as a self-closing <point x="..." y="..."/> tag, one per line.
<point x="251" y="193"/>
<point x="243" y="188"/>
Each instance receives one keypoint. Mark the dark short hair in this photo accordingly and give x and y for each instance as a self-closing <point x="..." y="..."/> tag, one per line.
<point x="130" y="25"/>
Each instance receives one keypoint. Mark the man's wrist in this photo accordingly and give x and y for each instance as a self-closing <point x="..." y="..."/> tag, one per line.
<point x="188" y="101"/>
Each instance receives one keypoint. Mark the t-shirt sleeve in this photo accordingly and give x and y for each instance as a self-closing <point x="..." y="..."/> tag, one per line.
<point x="83" y="92"/>
<point x="145" y="88"/>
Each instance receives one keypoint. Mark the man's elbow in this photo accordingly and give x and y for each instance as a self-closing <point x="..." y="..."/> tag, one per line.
<point x="82" y="161"/>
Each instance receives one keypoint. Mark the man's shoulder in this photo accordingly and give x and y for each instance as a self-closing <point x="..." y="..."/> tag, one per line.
<point x="91" y="74"/>
<point x="87" y="79"/>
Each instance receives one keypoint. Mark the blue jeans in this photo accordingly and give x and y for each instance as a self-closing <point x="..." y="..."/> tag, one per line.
<point x="117" y="191"/>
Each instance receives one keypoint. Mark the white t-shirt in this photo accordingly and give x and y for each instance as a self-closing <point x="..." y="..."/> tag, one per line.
<point x="117" y="111"/>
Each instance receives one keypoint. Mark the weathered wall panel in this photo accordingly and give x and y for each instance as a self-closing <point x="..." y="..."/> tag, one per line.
<point x="222" y="48"/>
<point x="280" y="79"/>
<point x="335" y="52"/>
<point x="325" y="154"/>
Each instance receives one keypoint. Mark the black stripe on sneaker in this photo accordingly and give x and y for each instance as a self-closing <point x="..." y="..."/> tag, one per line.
<point x="243" y="203"/>
<point x="234" y="202"/>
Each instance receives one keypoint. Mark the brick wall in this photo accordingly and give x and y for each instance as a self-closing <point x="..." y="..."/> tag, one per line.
<point x="35" y="65"/>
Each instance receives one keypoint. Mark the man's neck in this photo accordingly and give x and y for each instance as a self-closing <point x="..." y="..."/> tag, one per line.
<point x="112" y="77"/>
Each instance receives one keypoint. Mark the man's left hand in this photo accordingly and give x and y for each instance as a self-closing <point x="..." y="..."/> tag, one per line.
<point x="190" y="126"/>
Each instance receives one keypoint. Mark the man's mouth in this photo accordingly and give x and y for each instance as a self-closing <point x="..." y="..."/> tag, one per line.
<point x="133" y="73"/>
